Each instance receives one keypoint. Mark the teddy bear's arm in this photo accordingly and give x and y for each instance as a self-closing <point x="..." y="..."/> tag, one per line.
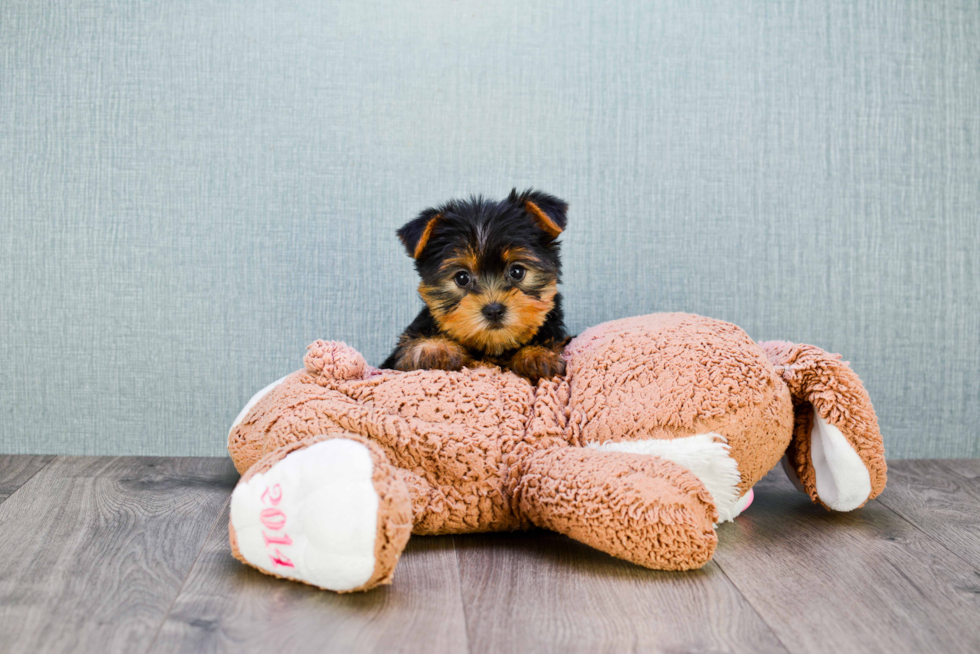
<point x="641" y="508"/>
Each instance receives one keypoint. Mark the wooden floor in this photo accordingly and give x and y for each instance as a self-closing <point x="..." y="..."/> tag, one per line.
<point x="131" y="555"/>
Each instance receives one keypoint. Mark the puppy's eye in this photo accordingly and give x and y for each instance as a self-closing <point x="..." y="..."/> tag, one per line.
<point x="517" y="272"/>
<point x="462" y="278"/>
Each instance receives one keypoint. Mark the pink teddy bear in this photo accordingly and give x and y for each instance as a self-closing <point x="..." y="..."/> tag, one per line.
<point x="656" y="433"/>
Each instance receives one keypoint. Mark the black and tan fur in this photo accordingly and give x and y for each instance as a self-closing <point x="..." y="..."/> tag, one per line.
<point x="490" y="273"/>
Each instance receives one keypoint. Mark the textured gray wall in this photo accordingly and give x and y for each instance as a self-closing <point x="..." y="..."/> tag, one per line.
<point x="190" y="192"/>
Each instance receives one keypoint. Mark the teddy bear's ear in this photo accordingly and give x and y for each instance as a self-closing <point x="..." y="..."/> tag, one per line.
<point x="837" y="455"/>
<point x="547" y="211"/>
<point x="415" y="235"/>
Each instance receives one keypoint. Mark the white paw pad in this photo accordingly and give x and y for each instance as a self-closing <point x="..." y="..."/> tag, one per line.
<point x="313" y="516"/>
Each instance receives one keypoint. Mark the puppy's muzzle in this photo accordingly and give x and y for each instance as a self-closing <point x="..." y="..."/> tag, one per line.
<point x="494" y="312"/>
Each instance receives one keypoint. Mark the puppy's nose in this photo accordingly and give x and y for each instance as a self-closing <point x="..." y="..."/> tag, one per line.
<point x="494" y="311"/>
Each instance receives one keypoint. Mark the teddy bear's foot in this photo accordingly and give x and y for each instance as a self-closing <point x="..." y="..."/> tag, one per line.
<point x="330" y="512"/>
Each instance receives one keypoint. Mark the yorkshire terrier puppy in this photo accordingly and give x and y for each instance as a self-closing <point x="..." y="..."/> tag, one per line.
<point x="490" y="273"/>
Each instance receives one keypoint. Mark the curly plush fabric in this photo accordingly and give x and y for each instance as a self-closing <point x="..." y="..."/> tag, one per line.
<point x="825" y="384"/>
<point x="658" y="428"/>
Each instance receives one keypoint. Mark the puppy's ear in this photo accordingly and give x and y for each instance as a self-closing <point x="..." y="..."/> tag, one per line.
<point x="416" y="234"/>
<point x="547" y="211"/>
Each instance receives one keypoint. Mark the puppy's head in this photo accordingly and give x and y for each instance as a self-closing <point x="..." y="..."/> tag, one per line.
<point x="490" y="270"/>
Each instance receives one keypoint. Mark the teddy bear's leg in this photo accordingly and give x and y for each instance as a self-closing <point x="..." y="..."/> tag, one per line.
<point x="641" y="508"/>
<point x="328" y="511"/>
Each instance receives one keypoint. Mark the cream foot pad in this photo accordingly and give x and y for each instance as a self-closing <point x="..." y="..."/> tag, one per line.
<point x="313" y="516"/>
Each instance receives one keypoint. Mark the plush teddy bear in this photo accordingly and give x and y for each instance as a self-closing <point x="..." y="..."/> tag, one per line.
<point x="656" y="433"/>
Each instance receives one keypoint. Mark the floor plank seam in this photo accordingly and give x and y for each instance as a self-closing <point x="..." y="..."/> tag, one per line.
<point x="929" y="536"/>
<point x="190" y="571"/>
<point x="24" y="483"/>
<point x="754" y="609"/>
<point x="462" y="601"/>
<point x="967" y="488"/>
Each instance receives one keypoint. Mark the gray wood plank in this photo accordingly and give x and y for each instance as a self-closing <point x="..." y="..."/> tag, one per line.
<point x="16" y="469"/>
<point x="94" y="550"/>
<point x="865" y="581"/>
<point x="940" y="498"/>
<point x="539" y="592"/>
<point x="967" y="468"/>
<point x="229" y="607"/>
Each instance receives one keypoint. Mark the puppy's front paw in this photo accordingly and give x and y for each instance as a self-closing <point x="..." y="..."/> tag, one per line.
<point x="432" y="354"/>
<point x="537" y="362"/>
